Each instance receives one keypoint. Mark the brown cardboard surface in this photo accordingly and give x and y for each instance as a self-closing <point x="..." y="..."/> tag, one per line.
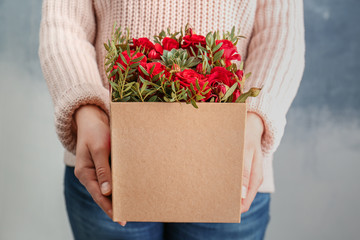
<point x="174" y="163"/>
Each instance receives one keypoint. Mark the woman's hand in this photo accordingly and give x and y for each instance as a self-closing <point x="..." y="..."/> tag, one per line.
<point x="92" y="155"/>
<point x="253" y="160"/>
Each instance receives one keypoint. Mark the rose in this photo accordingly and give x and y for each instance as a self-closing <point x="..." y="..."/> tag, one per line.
<point x="230" y="51"/>
<point x="169" y="43"/>
<point x="239" y="74"/>
<point x="192" y="40"/>
<point x="221" y="79"/>
<point x="157" y="52"/>
<point x="199" y="68"/>
<point x="236" y="94"/>
<point x="127" y="58"/>
<point x="221" y="75"/>
<point x="143" y="43"/>
<point x="189" y="76"/>
<point x="157" y="69"/>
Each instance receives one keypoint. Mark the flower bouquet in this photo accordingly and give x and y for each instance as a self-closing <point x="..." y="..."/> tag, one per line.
<point x="172" y="162"/>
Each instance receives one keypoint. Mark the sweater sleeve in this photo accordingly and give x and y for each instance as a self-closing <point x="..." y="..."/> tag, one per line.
<point x="276" y="59"/>
<point x="68" y="60"/>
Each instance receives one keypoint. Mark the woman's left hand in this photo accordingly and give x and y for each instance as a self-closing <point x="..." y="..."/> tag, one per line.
<point x="253" y="160"/>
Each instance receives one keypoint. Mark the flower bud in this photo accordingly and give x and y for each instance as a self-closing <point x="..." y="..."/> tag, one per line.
<point x="154" y="55"/>
<point x="199" y="68"/>
<point x="236" y="94"/>
<point x="221" y="90"/>
<point x="239" y="74"/>
<point x="175" y="68"/>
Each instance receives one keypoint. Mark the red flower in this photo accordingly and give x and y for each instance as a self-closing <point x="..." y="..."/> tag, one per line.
<point x="143" y="43"/>
<point x="223" y="79"/>
<point x="230" y="51"/>
<point x="169" y="43"/>
<point x="127" y="58"/>
<point x="189" y="76"/>
<point x="158" y="68"/>
<point x="236" y="94"/>
<point x="221" y="75"/>
<point x="192" y="40"/>
<point x="239" y="74"/>
<point x="156" y="52"/>
<point x="199" y="68"/>
<point x="159" y="48"/>
<point x="153" y="54"/>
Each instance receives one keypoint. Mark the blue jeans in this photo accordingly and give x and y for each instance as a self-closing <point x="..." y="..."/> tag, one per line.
<point x="89" y="222"/>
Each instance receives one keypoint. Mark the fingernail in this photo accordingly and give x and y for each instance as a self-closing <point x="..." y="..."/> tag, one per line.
<point x="122" y="223"/>
<point x="243" y="192"/>
<point x="105" y="188"/>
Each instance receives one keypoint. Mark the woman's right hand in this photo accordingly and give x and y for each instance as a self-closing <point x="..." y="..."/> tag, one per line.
<point x="92" y="166"/>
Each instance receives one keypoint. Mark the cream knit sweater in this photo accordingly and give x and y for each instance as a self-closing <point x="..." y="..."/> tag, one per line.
<point x="72" y="54"/>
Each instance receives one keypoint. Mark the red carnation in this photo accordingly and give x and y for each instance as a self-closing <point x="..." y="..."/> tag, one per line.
<point x="230" y="51"/>
<point x="157" y="69"/>
<point x="156" y="52"/>
<point x="143" y="43"/>
<point x="169" y="43"/>
<point x="221" y="75"/>
<point x="192" y="40"/>
<point x="133" y="56"/>
<point x="189" y="76"/>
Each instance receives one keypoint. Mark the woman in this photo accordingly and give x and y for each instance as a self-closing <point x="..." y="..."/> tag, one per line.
<point x="72" y="58"/>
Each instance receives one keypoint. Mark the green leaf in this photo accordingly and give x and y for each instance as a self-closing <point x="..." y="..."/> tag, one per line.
<point x="247" y="75"/>
<point x="114" y="85"/>
<point x="123" y="58"/>
<point x="192" y="88"/>
<point x="143" y="70"/>
<point x="197" y="84"/>
<point x="113" y="73"/>
<point x="152" y="69"/>
<point x="156" y="77"/>
<point x="201" y="47"/>
<point x="120" y="66"/>
<point x="153" y="99"/>
<point x="199" y="97"/>
<point x="218" y="55"/>
<point x="143" y="87"/>
<point x="207" y="91"/>
<point x="192" y="51"/>
<point x="241" y="65"/>
<point x="106" y="47"/>
<point x="128" y="86"/>
<point x="253" y="92"/>
<point x="209" y="39"/>
<point x="125" y="99"/>
<point x="217" y="47"/>
<point x="194" y="103"/>
<point x="230" y="91"/>
<point x="138" y="59"/>
<point x="128" y="49"/>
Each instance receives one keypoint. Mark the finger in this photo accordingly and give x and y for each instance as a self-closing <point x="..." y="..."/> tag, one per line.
<point x="104" y="202"/>
<point x="100" y="157"/>
<point x="122" y="223"/>
<point x="248" y="155"/>
<point x="256" y="179"/>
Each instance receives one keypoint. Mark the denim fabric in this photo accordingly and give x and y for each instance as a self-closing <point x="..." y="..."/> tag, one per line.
<point x="89" y="222"/>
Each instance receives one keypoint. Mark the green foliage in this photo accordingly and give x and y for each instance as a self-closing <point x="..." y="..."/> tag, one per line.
<point x="179" y="57"/>
<point x="127" y="85"/>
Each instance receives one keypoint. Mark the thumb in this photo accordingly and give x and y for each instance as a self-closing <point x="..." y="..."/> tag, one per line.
<point x="248" y="156"/>
<point x="102" y="168"/>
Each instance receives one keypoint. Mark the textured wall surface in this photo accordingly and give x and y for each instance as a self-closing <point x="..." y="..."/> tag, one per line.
<point x="316" y="167"/>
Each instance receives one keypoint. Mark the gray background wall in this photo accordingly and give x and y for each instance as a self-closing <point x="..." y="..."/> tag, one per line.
<point x="317" y="165"/>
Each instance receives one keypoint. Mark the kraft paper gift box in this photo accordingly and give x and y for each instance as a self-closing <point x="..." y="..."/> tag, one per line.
<point x="172" y="162"/>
